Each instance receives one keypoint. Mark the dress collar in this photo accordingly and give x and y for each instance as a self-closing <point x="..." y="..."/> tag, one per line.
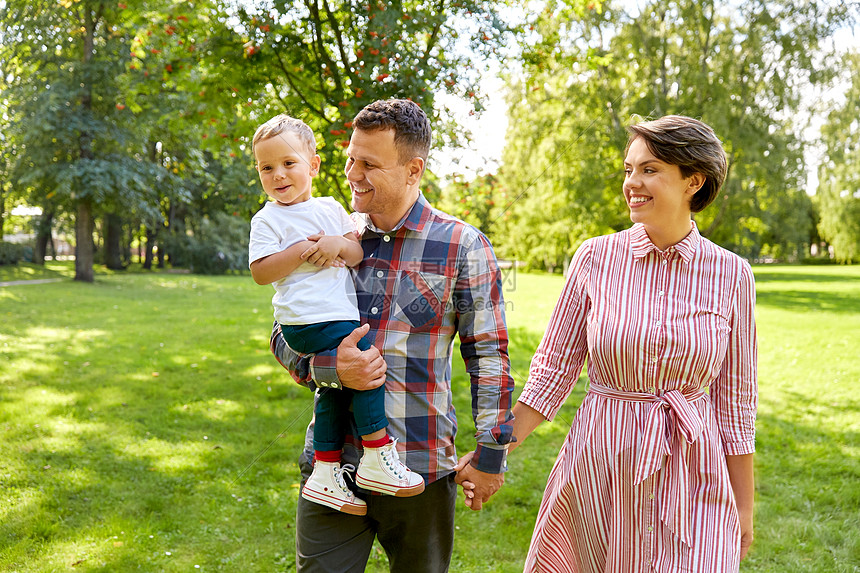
<point x="641" y="245"/>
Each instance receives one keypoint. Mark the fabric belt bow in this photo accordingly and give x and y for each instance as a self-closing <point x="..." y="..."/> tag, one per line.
<point x="671" y="424"/>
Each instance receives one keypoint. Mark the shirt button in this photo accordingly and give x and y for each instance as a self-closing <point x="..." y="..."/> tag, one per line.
<point x="653" y="359"/>
<point x="651" y="496"/>
<point x="664" y="262"/>
<point x="386" y="238"/>
<point x="651" y="389"/>
<point x="380" y="274"/>
<point x="658" y="323"/>
<point x="374" y="310"/>
<point x="323" y="384"/>
<point x="650" y="529"/>
<point x="661" y="293"/>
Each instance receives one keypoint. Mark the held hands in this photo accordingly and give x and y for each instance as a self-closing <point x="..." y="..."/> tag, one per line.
<point x="356" y="369"/>
<point x="325" y="252"/>
<point x="477" y="486"/>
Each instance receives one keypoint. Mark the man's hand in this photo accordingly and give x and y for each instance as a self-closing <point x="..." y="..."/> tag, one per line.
<point x="356" y="369"/>
<point x="325" y="251"/>
<point x="477" y="486"/>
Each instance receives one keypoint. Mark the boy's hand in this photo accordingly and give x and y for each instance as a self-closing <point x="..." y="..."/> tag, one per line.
<point x="326" y="251"/>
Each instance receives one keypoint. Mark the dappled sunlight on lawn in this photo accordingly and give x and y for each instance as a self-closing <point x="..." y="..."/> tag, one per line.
<point x="214" y="409"/>
<point x="170" y="456"/>
<point x="265" y="370"/>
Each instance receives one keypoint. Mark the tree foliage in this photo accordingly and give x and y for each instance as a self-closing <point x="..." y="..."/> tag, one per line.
<point x="136" y="118"/>
<point x="839" y="175"/>
<point x="591" y="69"/>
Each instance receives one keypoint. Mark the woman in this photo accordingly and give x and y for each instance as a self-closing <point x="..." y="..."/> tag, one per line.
<point x="656" y="469"/>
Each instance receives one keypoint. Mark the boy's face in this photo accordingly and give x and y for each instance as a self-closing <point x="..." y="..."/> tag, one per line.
<point x="286" y="168"/>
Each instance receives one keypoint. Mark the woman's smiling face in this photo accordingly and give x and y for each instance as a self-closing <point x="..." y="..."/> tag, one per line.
<point x="656" y="193"/>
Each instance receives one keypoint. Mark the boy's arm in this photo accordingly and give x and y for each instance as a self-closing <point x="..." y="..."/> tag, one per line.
<point x="352" y="253"/>
<point x="330" y="248"/>
<point x="279" y="265"/>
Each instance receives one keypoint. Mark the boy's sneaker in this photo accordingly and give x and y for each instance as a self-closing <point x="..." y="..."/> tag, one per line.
<point x="381" y="470"/>
<point x="326" y="486"/>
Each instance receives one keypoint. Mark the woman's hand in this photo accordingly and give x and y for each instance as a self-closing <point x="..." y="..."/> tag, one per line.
<point x="746" y="523"/>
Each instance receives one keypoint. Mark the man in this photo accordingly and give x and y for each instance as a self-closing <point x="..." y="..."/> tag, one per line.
<point x="425" y="278"/>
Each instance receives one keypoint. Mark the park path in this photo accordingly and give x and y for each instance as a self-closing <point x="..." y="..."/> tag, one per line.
<point x="30" y="282"/>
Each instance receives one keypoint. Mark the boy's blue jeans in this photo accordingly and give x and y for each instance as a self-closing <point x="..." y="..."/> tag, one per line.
<point x="331" y="413"/>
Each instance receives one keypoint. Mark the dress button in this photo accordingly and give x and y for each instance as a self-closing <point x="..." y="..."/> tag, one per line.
<point x="380" y="274"/>
<point x="386" y="238"/>
<point x="374" y="310"/>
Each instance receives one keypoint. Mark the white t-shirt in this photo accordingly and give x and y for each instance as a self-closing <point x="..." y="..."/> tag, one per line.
<point x="309" y="294"/>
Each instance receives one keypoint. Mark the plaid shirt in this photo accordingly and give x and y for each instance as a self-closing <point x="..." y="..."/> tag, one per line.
<point x="419" y="285"/>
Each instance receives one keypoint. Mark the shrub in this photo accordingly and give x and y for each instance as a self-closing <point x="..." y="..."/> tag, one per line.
<point x="219" y="245"/>
<point x="13" y="253"/>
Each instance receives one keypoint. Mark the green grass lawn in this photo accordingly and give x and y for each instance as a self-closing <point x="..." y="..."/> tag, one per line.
<point x="145" y="426"/>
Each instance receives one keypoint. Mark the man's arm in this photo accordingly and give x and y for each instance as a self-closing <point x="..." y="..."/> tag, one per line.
<point x="479" y="304"/>
<point x="346" y="366"/>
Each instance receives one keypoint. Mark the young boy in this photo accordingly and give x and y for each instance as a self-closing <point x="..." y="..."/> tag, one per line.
<point x="302" y="245"/>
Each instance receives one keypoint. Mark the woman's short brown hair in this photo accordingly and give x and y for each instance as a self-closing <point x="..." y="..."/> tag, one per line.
<point x="691" y="145"/>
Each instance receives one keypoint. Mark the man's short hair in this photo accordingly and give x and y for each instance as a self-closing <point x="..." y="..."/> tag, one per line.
<point x="412" y="134"/>
<point x="691" y="145"/>
<point x="284" y="123"/>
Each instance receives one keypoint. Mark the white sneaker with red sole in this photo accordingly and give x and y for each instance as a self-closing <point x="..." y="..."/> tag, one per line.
<point x="326" y="486"/>
<point x="381" y="470"/>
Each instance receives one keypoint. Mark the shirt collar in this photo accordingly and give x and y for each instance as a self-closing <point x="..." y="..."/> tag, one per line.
<point x="414" y="220"/>
<point x="641" y="244"/>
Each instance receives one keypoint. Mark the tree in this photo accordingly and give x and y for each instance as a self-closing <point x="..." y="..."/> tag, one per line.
<point x="590" y="69"/>
<point x="137" y="120"/>
<point x="62" y="97"/>
<point x="322" y="61"/>
<point x="838" y="193"/>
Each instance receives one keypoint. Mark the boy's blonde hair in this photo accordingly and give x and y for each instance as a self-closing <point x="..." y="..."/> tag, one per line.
<point x="283" y="123"/>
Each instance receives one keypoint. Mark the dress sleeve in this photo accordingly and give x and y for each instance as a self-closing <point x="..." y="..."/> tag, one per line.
<point x="558" y="360"/>
<point x="734" y="393"/>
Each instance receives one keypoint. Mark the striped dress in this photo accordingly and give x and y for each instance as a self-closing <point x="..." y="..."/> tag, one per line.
<point x="640" y="484"/>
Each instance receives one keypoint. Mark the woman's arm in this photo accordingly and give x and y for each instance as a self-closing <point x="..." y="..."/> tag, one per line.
<point x="526" y="419"/>
<point x="743" y="485"/>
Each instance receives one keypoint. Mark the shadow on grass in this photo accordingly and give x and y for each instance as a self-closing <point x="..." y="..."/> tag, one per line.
<point x="104" y="464"/>
<point x="808" y="502"/>
<point x="763" y="276"/>
<point x="806" y="301"/>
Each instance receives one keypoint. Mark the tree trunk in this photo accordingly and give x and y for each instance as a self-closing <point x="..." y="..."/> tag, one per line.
<point x="128" y="238"/>
<point x="44" y="231"/>
<point x="84" y="251"/>
<point x="2" y="208"/>
<point x="84" y="224"/>
<point x="112" y="242"/>
<point x="150" y="242"/>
